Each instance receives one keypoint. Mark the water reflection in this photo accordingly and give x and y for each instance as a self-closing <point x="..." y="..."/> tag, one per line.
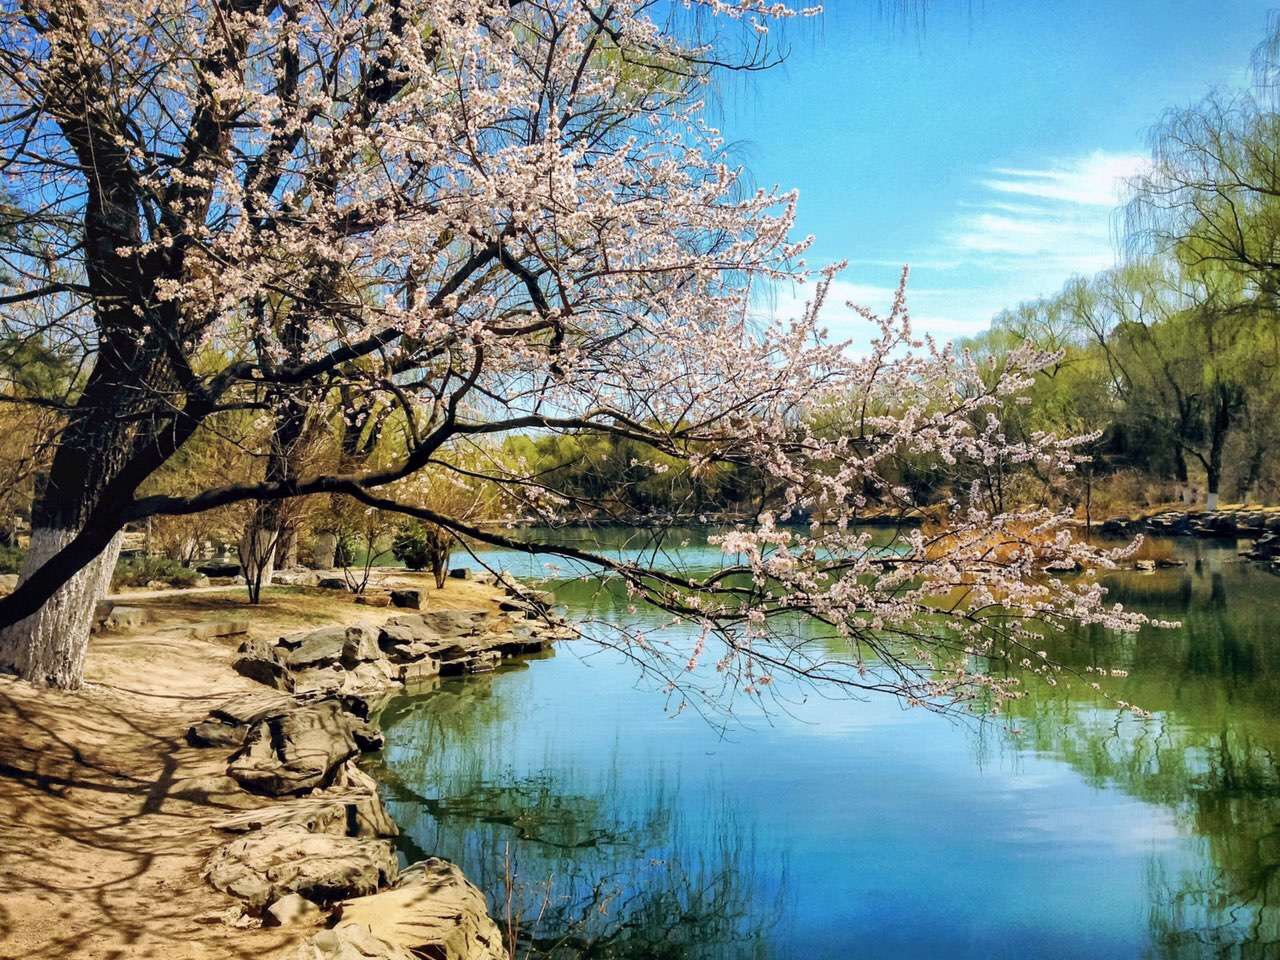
<point x="856" y="829"/>
<point x="580" y="863"/>
<point x="1210" y="753"/>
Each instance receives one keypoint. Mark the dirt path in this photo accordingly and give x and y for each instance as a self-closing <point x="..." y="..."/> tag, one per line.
<point x="106" y="815"/>
<point x="130" y="595"/>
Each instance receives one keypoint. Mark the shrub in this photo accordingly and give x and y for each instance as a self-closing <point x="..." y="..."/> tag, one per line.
<point x="11" y="559"/>
<point x="410" y="547"/>
<point x="424" y="545"/>
<point x="140" y="571"/>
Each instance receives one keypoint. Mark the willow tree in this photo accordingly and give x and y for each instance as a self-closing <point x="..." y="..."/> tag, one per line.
<point x="497" y="216"/>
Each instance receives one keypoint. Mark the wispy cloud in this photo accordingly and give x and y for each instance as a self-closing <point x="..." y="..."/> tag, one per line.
<point x="1019" y="234"/>
<point x="1056" y="219"/>
<point x="1094" y="180"/>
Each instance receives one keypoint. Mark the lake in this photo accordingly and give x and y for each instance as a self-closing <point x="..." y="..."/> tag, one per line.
<point x="604" y="824"/>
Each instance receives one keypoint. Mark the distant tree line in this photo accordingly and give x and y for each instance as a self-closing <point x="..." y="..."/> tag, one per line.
<point x="1172" y="358"/>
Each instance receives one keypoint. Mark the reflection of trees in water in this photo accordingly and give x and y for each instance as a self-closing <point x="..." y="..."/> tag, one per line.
<point x="578" y="865"/>
<point x="1211" y="754"/>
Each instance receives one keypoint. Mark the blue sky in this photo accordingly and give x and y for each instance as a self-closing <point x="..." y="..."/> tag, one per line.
<point x="981" y="147"/>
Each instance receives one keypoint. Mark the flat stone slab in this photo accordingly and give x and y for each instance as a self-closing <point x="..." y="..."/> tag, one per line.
<point x="341" y="811"/>
<point x="212" y="629"/>
<point x="431" y="911"/>
<point x="266" y="865"/>
<point x="251" y="707"/>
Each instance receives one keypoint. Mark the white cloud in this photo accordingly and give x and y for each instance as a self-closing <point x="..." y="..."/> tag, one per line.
<point x="1021" y="235"/>
<point x="1095" y="180"/>
<point x="1055" y="220"/>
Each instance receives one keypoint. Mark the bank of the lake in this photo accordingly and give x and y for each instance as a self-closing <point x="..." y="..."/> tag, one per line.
<point x="833" y="829"/>
<point x="124" y="834"/>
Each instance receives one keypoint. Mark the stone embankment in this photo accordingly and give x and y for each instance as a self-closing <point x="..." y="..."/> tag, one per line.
<point x="323" y="847"/>
<point x="1261" y="525"/>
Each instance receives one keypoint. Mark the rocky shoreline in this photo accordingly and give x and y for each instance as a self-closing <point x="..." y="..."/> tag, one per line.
<point x="322" y="852"/>
<point x="1261" y="525"/>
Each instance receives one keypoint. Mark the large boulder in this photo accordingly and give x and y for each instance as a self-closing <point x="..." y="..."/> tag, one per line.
<point x="263" y="866"/>
<point x="409" y="599"/>
<point x="260" y="661"/>
<point x="296" y="752"/>
<point x="361" y="646"/>
<point x="125" y="618"/>
<point x="216" y="733"/>
<point x="350" y="807"/>
<point x="309" y="649"/>
<point x="431" y="911"/>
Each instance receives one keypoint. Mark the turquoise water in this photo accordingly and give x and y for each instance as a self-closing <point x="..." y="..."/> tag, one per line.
<point x="602" y="824"/>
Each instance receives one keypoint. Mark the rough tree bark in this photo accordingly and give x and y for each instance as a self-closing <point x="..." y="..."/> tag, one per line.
<point x="49" y="646"/>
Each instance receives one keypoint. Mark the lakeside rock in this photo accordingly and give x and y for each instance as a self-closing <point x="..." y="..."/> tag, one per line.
<point x="352" y="943"/>
<point x="1261" y="525"/>
<point x="298" y="751"/>
<point x="266" y="865"/>
<point x="324" y="841"/>
<point x="408" y="599"/>
<point x="350" y="807"/>
<point x="431" y="910"/>
<point x="317" y="648"/>
<point x="261" y="661"/>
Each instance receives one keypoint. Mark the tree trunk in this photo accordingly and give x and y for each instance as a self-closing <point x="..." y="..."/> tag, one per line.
<point x="1181" y="474"/>
<point x="49" y="647"/>
<point x="1223" y="408"/>
<point x="258" y="557"/>
<point x="324" y="552"/>
<point x="1253" y="473"/>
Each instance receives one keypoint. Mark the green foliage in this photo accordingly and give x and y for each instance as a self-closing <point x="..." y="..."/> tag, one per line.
<point x="11" y="559"/>
<point x="140" y="571"/>
<point x="628" y="478"/>
<point x="424" y="545"/>
<point x="410" y="546"/>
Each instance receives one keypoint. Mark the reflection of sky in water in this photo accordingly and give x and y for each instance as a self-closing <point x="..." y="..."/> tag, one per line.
<point x="872" y="831"/>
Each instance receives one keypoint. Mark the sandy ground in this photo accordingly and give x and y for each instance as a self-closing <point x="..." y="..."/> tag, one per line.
<point x="106" y="814"/>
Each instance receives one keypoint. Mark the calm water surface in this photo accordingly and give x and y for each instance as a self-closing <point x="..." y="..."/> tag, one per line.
<point x="610" y="828"/>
